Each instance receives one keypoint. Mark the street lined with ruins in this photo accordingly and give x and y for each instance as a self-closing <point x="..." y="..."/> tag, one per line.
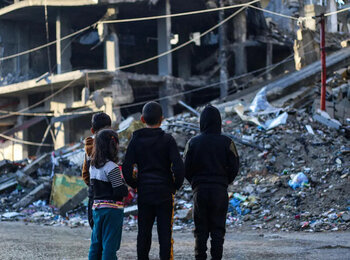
<point x="276" y="77"/>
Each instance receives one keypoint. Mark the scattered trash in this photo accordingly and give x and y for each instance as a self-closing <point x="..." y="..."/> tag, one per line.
<point x="240" y="197"/>
<point x="280" y="120"/>
<point x="260" y="103"/>
<point x="298" y="180"/>
<point x="9" y="215"/>
<point x="309" y="129"/>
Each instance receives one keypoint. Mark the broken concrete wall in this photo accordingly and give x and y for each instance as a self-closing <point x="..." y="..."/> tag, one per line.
<point x="15" y="37"/>
<point x="306" y="50"/>
<point x="8" y="151"/>
<point x="311" y="10"/>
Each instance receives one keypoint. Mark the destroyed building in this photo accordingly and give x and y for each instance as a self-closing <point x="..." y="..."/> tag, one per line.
<point x="84" y="68"/>
<point x="63" y="60"/>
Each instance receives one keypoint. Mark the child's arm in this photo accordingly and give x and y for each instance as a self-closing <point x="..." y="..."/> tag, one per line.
<point x="177" y="165"/>
<point x="188" y="161"/>
<point x="128" y="165"/>
<point x="233" y="162"/>
<point x="89" y="141"/>
<point x="85" y="171"/>
<point x="119" y="188"/>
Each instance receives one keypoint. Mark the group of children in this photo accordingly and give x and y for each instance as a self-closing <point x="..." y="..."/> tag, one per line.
<point x="153" y="166"/>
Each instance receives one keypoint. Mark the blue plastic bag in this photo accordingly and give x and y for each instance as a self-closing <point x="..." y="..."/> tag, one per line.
<point x="298" y="180"/>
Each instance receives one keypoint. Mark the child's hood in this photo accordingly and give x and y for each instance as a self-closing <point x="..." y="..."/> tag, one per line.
<point x="210" y="120"/>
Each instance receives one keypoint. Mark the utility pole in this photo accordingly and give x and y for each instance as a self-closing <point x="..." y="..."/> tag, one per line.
<point x="323" y="63"/>
<point x="165" y="62"/>
<point x="222" y="55"/>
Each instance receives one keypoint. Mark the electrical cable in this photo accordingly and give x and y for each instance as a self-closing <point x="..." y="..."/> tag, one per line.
<point x="211" y="85"/>
<point x="162" y="17"/>
<point x="184" y="44"/>
<point x="46" y="114"/>
<point x="178" y="14"/>
<point x="48" y="44"/>
<point x="133" y="19"/>
<point x="273" y="66"/>
<point x="41" y="101"/>
<point x="338" y="11"/>
<point x="275" y="13"/>
<point x="23" y="141"/>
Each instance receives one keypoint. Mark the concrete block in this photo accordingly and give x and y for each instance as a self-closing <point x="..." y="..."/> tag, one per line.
<point x="36" y="194"/>
<point x="73" y="202"/>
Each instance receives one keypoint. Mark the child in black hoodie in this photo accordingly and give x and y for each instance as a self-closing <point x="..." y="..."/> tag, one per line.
<point x="153" y="165"/>
<point x="211" y="163"/>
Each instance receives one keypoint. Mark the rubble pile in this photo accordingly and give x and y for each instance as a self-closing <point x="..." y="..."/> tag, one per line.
<point x="26" y="187"/>
<point x="294" y="175"/>
<point x="262" y="196"/>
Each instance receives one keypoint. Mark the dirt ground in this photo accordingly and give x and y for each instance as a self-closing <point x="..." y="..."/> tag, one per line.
<point x="21" y="241"/>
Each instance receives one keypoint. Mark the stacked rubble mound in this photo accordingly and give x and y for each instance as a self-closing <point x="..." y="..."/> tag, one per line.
<point x="264" y="194"/>
<point x="294" y="175"/>
<point x="26" y="188"/>
<point x="295" y="172"/>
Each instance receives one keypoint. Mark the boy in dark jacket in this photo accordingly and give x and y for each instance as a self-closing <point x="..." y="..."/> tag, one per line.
<point x="211" y="163"/>
<point x="99" y="121"/>
<point x="153" y="165"/>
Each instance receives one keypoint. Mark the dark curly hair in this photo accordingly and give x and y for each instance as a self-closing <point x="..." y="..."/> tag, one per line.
<point x="152" y="113"/>
<point x="105" y="148"/>
<point x="100" y="120"/>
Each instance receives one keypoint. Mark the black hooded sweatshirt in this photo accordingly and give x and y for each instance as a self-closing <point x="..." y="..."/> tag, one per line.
<point x="160" y="169"/>
<point x="211" y="157"/>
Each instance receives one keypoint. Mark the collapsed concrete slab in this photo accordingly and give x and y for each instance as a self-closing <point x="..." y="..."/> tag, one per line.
<point x="73" y="202"/>
<point x="8" y="184"/>
<point x="323" y="118"/>
<point x="36" y="194"/>
<point x="32" y="167"/>
<point x="25" y="180"/>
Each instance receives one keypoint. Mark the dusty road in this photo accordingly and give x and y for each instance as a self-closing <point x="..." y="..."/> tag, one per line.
<point x="20" y="241"/>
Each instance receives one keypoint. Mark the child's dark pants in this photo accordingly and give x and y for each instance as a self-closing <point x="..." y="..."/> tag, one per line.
<point x="89" y="211"/>
<point x="147" y="213"/>
<point x="210" y="210"/>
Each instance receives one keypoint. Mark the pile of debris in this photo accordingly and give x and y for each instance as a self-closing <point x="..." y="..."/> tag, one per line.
<point x="294" y="175"/>
<point x="27" y="188"/>
<point x="295" y="172"/>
